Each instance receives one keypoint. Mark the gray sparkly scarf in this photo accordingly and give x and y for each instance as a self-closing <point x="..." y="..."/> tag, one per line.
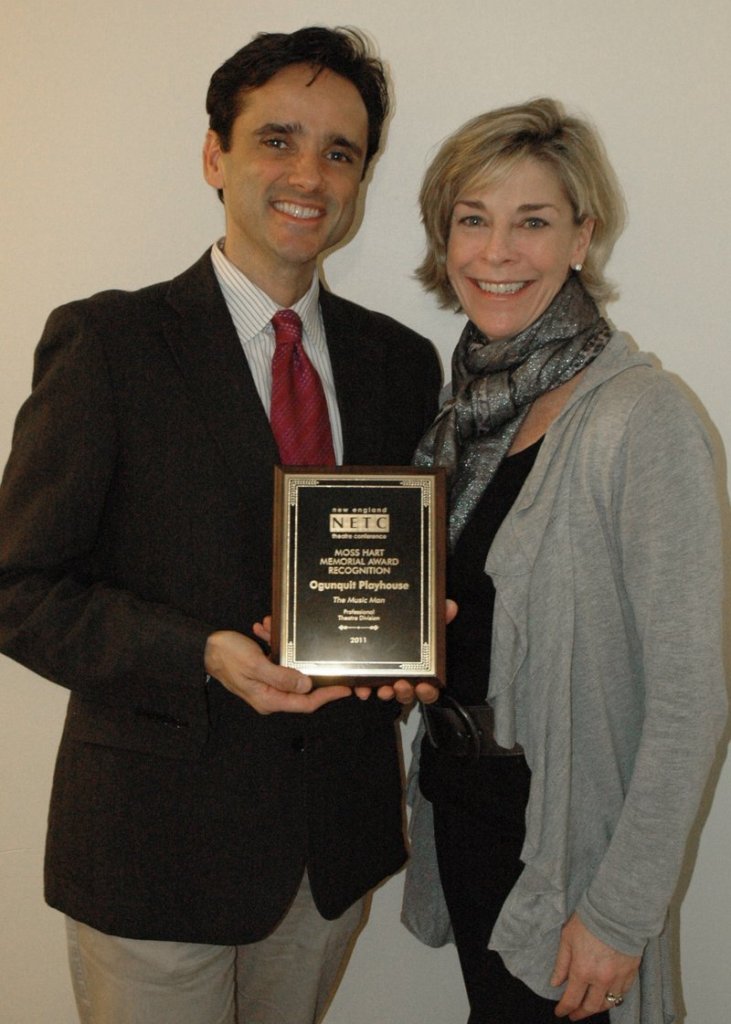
<point x="493" y="386"/>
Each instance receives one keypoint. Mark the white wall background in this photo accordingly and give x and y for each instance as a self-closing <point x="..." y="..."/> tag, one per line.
<point x="102" y="120"/>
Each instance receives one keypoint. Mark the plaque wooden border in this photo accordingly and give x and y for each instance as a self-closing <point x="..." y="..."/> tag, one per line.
<point x="358" y="584"/>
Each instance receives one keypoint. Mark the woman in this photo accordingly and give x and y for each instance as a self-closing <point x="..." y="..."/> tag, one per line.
<point x="585" y="691"/>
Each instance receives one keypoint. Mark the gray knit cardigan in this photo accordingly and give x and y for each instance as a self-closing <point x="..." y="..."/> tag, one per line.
<point x="607" y="668"/>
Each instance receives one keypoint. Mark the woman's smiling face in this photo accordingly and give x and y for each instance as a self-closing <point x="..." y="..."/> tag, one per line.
<point x="511" y="246"/>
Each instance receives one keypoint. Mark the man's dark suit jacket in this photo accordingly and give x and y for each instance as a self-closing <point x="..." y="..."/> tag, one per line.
<point x="135" y="519"/>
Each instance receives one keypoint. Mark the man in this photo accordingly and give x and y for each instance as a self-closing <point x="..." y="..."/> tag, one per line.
<point x="215" y="822"/>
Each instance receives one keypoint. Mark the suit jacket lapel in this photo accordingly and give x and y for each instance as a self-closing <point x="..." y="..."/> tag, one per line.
<point x="356" y="358"/>
<point x="207" y="349"/>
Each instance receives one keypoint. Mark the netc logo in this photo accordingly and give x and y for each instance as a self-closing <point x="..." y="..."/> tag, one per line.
<point x="351" y="522"/>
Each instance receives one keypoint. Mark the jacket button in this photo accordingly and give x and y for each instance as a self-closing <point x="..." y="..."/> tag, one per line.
<point x="298" y="744"/>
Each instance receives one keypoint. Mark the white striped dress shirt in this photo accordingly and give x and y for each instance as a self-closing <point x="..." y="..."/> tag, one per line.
<point x="252" y="310"/>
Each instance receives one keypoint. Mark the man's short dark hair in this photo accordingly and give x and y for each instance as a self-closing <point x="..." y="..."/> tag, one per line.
<point x="344" y="51"/>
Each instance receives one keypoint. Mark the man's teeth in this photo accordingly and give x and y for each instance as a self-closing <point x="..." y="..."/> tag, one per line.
<point x="294" y="210"/>
<point x="501" y="289"/>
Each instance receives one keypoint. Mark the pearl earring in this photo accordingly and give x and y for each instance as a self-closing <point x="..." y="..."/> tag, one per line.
<point x="577" y="267"/>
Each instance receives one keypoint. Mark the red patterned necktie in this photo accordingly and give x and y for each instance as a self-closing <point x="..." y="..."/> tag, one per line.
<point x="298" y="414"/>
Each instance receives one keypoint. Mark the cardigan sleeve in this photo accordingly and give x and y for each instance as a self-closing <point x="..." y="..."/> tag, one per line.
<point x="665" y="519"/>
<point x="59" y="614"/>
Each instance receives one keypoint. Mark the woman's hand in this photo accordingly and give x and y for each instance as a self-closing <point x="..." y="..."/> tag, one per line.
<point x="590" y="969"/>
<point x="403" y="690"/>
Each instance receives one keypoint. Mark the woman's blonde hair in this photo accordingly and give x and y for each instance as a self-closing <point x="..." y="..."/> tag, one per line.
<point x="484" y="151"/>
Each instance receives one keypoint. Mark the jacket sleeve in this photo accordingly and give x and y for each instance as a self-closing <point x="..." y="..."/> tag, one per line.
<point x="60" y="613"/>
<point x="665" y="518"/>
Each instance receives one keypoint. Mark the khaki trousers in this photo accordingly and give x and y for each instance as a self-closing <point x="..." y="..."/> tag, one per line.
<point x="286" y="978"/>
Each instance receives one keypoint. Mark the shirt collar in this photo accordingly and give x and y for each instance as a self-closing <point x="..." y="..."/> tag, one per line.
<point x="251" y="308"/>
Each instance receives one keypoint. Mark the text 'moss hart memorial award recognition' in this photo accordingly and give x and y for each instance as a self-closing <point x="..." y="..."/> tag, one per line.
<point x="359" y="556"/>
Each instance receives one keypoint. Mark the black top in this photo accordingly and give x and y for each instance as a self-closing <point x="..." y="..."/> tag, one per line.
<point x="469" y="635"/>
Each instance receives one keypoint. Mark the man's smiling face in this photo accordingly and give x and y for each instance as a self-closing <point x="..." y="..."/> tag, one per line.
<point x="290" y="177"/>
